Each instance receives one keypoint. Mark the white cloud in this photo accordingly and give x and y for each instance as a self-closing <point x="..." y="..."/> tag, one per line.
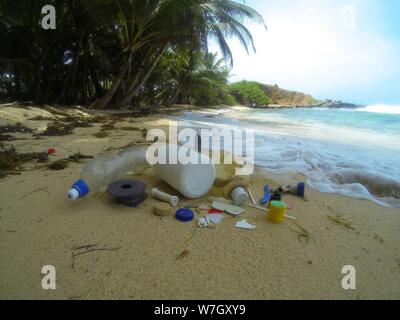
<point x="316" y="47"/>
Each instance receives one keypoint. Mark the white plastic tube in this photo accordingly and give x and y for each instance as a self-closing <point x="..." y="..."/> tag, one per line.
<point x="172" y="200"/>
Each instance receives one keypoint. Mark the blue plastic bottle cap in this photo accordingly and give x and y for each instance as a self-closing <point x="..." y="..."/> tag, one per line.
<point x="78" y="190"/>
<point x="301" y="187"/>
<point x="184" y="215"/>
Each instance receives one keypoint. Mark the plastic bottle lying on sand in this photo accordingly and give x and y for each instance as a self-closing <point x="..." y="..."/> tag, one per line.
<point x="97" y="174"/>
<point x="192" y="180"/>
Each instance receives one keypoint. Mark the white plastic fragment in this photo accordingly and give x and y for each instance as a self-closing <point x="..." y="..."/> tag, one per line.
<point x="245" y="225"/>
<point x="221" y="200"/>
<point x="228" y="208"/>
<point x="251" y="197"/>
<point x="203" y="207"/>
<point x="215" y="218"/>
<point x="209" y="220"/>
<point x="203" y="222"/>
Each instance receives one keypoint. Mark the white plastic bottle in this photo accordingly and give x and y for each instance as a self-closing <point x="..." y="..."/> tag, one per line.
<point x="193" y="180"/>
<point x="97" y="174"/>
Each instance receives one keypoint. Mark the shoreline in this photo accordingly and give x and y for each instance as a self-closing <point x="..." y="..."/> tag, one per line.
<point x="40" y="227"/>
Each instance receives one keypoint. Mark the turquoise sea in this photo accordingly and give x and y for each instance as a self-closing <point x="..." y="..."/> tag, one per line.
<point x="353" y="152"/>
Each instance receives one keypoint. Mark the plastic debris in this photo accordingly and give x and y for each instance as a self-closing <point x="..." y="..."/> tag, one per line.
<point x="259" y="208"/>
<point x="297" y="190"/>
<point x="210" y="220"/>
<point x="184" y="215"/>
<point x="128" y="192"/>
<point x="228" y="208"/>
<point x="162" y="209"/>
<point x="215" y="218"/>
<point x="253" y="200"/>
<point x="267" y="195"/>
<point x="245" y="225"/>
<point x="203" y="207"/>
<point x="221" y="200"/>
<point x="215" y="211"/>
<point x="172" y="200"/>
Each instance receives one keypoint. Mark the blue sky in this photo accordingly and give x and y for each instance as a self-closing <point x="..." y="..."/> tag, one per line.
<point x="338" y="49"/>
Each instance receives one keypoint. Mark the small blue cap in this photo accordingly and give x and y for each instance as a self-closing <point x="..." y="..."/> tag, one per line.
<point x="301" y="188"/>
<point x="82" y="187"/>
<point x="184" y="215"/>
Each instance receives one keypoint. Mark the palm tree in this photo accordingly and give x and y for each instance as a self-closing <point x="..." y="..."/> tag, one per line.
<point x="148" y="30"/>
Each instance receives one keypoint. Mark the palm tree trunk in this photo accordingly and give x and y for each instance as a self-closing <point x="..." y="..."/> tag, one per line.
<point x="135" y="90"/>
<point x="105" y="100"/>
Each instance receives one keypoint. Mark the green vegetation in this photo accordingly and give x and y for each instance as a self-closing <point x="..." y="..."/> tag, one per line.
<point x="107" y="53"/>
<point x="249" y="93"/>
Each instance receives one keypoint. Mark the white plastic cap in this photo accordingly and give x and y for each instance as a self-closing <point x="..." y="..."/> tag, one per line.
<point x="73" y="194"/>
<point x="239" y="196"/>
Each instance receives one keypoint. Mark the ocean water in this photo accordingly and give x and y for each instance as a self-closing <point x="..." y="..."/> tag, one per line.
<point x="352" y="152"/>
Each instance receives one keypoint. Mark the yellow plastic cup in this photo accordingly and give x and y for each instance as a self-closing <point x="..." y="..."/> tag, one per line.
<point x="277" y="211"/>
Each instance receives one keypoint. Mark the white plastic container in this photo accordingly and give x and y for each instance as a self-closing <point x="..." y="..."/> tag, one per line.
<point x="193" y="180"/>
<point x="97" y="174"/>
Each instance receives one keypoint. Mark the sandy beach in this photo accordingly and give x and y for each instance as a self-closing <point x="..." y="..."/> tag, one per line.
<point x="300" y="259"/>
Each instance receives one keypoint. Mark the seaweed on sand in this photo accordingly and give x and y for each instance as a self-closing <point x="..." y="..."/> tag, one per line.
<point x="63" y="163"/>
<point x="58" y="165"/>
<point x="341" y="221"/>
<point x="18" y="127"/>
<point x="102" y="134"/>
<point x="6" y="137"/>
<point x="11" y="161"/>
<point x="57" y="128"/>
<point x="110" y="125"/>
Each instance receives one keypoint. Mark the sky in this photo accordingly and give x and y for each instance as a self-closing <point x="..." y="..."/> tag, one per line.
<point x="345" y="50"/>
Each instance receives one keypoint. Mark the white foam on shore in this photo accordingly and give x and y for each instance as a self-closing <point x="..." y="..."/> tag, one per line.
<point x="381" y="108"/>
<point x="357" y="163"/>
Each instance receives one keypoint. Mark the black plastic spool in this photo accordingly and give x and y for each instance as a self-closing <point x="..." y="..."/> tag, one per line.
<point x="128" y="192"/>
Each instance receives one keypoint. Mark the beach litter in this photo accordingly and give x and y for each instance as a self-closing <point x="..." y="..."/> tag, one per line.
<point x="171" y="199"/>
<point x="296" y="189"/>
<point x="202" y="176"/>
<point x="236" y="190"/>
<point x="128" y="192"/>
<point x="162" y="209"/>
<point x="266" y="197"/>
<point x="267" y="211"/>
<point x="184" y="215"/>
<point x="221" y="200"/>
<point x="228" y="208"/>
<point x="253" y="200"/>
<point x="217" y="219"/>
<point x="210" y="221"/>
<point x="203" y="207"/>
<point x="130" y="161"/>
<point x="215" y="211"/>
<point x="243" y="224"/>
